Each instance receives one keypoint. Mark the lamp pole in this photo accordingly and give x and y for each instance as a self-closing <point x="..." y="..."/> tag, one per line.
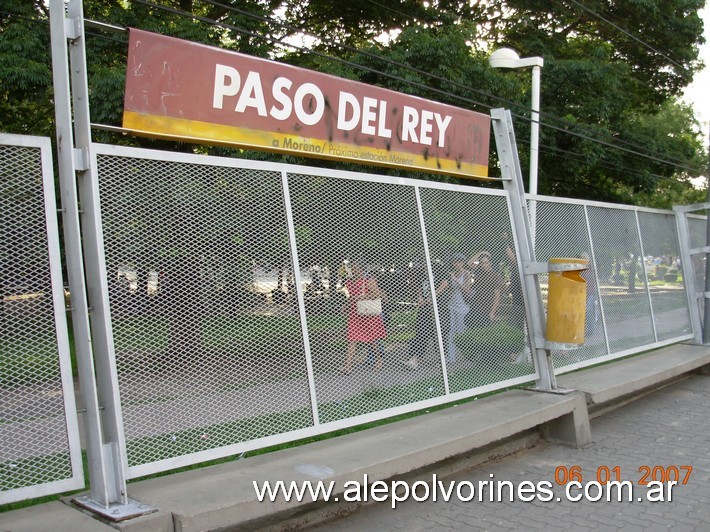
<point x="706" y="306"/>
<point x="535" y="127"/>
<point x="507" y="58"/>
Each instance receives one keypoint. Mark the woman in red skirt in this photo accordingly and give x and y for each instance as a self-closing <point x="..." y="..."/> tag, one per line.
<point x="363" y="329"/>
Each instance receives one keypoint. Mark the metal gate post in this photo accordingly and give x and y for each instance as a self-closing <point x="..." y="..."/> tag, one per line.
<point x="102" y="420"/>
<point x="513" y="183"/>
<point x="686" y="264"/>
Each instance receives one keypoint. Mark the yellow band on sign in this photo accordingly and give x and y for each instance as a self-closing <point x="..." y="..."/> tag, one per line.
<point x="204" y="132"/>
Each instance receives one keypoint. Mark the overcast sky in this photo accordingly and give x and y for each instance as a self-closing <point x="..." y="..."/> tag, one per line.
<point x="698" y="93"/>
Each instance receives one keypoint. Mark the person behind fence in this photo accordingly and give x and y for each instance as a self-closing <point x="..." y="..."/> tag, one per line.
<point x="458" y="286"/>
<point x="516" y="315"/>
<point x="378" y="345"/>
<point x="425" y="326"/>
<point x="590" y="320"/>
<point x="365" y="324"/>
<point x="488" y="288"/>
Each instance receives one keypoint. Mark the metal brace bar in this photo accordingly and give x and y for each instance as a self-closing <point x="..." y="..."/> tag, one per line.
<point x="698" y="251"/>
<point x="95" y="24"/>
<point x="691" y="208"/>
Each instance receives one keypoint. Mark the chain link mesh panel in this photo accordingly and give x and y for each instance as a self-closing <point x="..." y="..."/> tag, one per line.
<point x="206" y="304"/>
<point x="667" y="286"/>
<point x="561" y="231"/>
<point x="697" y="227"/>
<point x="360" y="241"/>
<point x="35" y="444"/>
<point x="478" y="286"/>
<point x="208" y="347"/>
<point x="624" y="295"/>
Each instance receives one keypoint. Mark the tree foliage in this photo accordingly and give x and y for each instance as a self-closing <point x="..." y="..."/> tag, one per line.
<point x="612" y="125"/>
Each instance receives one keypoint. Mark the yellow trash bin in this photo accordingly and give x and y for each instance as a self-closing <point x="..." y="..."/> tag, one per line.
<point x="566" y="301"/>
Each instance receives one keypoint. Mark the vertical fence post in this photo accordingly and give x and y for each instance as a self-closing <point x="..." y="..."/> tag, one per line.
<point x="592" y="256"/>
<point x="706" y="302"/>
<point x="432" y="285"/>
<point x="645" y="277"/>
<point x="97" y="466"/>
<point x="513" y="183"/>
<point x="102" y="420"/>
<point x="300" y="298"/>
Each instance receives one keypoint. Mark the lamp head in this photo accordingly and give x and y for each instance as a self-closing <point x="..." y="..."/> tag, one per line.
<point x="507" y="58"/>
<point x="504" y="58"/>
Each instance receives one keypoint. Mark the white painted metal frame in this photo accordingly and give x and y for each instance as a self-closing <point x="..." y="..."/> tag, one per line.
<point x="76" y="481"/>
<point x="300" y="297"/>
<point x="682" y="213"/>
<point x="683" y="247"/>
<point x="524" y="245"/>
<point x="432" y="283"/>
<point x="317" y="428"/>
<point x="599" y="290"/>
<point x="97" y="373"/>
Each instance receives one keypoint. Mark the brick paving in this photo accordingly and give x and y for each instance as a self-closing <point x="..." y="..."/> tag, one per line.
<point x="668" y="427"/>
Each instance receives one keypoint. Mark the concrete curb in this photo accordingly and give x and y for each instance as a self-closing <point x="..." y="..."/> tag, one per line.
<point x="223" y="496"/>
<point x="613" y="382"/>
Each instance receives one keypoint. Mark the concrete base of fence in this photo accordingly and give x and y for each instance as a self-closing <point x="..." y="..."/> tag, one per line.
<point x="50" y="516"/>
<point x="442" y="442"/>
<point x="622" y="380"/>
<point x="224" y="495"/>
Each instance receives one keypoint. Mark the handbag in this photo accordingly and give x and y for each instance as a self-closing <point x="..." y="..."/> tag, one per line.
<point x="368" y="307"/>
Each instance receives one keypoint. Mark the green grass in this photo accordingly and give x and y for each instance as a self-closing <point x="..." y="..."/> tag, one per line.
<point x="376" y="399"/>
<point x="36" y="464"/>
<point x="153" y="448"/>
<point x="32" y="471"/>
<point x="29" y="357"/>
<point x="141" y="333"/>
<point x="180" y="443"/>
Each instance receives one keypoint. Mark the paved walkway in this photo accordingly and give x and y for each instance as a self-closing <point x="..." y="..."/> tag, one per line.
<point x="666" y="428"/>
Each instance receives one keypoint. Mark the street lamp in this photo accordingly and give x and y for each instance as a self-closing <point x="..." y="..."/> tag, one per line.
<point x="507" y="58"/>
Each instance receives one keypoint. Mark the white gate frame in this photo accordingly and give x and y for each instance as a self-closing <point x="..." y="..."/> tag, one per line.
<point x="76" y="481"/>
<point x="317" y="428"/>
<point x="686" y="264"/>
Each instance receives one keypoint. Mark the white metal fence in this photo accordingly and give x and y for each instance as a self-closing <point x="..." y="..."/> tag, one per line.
<point x="697" y="226"/>
<point x="230" y="284"/>
<point x="39" y="437"/>
<point x="636" y="290"/>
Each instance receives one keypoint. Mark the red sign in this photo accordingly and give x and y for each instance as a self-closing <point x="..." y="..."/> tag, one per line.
<point x="183" y="90"/>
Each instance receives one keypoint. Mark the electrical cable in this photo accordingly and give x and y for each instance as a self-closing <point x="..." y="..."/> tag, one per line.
<point x="622" y="30"/>
<point x="439" y="78"/>
<point x="278" y="43"/>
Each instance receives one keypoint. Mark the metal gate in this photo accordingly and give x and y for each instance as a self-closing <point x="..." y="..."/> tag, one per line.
<point x="227" y="281"/>
<point x="637" y="289"/>
<point x="39" y="437"/>
<point x="692" y="233"/>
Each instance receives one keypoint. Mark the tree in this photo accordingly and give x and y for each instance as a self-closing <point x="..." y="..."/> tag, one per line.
<point x="25" y="69"/>
<point x="612" y="127"/>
